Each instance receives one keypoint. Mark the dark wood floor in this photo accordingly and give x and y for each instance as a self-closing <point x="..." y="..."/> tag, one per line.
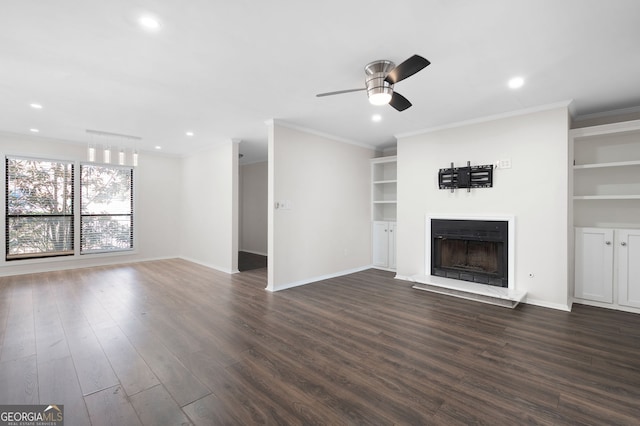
<point x="171" y="342"/>
<point x="248" y="261"/>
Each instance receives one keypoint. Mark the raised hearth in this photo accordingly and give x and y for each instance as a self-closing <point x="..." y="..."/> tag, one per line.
<point x="471" y="257"/>
<point x="467" y="290"/>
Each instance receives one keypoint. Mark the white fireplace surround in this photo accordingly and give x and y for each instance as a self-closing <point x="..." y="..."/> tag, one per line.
<point x="480" y="292"/>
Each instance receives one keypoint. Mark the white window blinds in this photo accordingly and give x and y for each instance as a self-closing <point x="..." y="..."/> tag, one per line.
<point x="39" y="208"/>
<point x="106" y="206"/>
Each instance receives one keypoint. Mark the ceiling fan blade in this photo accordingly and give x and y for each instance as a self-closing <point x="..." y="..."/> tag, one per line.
<point x="339" y="92"/>
<point x="399" y="102"/>
<point x="406" y="69"/>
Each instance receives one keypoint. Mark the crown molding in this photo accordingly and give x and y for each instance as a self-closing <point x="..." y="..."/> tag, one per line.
<point x="516" y="113"/>
<point x="273" y="122"/>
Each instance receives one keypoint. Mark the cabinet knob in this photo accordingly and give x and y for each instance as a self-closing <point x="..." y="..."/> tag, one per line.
<point x="623" y="244"/>
<point x="608" y="243"/>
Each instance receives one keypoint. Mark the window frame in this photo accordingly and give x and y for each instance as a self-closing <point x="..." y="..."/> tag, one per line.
<point x="132" y="234"/>
<point x="72" y="224"/>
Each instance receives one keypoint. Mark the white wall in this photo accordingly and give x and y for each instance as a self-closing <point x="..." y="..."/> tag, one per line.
<point x="534" y="190"/>
<point x="157" y="189"/>
<point x="327" y="231"/>
<point x="253" y="207"/>
<point x="158" y="192"/>
<point x="209" y="231"/>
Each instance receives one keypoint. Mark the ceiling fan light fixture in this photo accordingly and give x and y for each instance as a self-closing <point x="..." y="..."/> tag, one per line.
<point x="380" y="98"/>
<point x="381" y="76"/>
<point x="378" y="90"/>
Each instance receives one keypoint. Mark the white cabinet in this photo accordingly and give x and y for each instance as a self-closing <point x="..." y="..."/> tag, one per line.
<point x="384" y="244"/>
<point x="384" y="183"/>
<point x="594" y="264"/>
<point x="607" y="266"/>
<point x="629" y="267"/>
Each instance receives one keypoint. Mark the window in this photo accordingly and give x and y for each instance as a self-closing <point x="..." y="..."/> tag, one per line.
<point x="106" y="204"/>
<point x="39" y="208"/>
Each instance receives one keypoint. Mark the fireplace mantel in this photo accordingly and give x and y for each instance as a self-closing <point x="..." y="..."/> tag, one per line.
<point x="502" y="296"/>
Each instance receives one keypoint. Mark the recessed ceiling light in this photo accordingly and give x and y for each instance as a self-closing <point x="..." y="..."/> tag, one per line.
<point x="35" y="106"/>
<point x="376" y="117"/>
<point x="34" y="130"/>
<point x="189" y="133"/>
<point x="158" y="147"/>
<point x="149" y="22"/>
<point x="516" y="82"/>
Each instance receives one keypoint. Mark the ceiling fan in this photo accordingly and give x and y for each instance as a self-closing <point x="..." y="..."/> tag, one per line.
<point x="380" y="78"/>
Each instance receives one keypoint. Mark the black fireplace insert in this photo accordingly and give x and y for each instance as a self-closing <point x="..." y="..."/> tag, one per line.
<point x="470" y="250"/>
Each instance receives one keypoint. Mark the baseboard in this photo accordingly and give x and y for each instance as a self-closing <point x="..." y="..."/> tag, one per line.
<point x="380" y="268"/>
<point x="210" y="266"/>
<point x="612" y="306"/>
<point x="545" y="304"/>
<point x="403" y="278"/>
<point x="319" y="278"/>
<point x="92" y="262"/>
<point x="64" y="264"/>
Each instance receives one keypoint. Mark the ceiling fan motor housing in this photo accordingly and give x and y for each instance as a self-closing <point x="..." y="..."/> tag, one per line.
<point x="380" y="76"/>
<point x="376" y="85"/>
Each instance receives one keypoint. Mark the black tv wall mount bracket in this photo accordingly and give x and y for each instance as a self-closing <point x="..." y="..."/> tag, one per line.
<point x="466" y="177"/>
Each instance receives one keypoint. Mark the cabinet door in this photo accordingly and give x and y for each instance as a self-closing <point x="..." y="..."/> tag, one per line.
<point x="381" y="244"/>
<point x="392" y="244"/>
<point x="594" y="264"/>
<point x="629" y="267"/>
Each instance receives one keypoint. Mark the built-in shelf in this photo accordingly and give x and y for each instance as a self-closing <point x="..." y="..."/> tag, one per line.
<point x="601" y="165"/>
<point x="605" y="167"/>
<point x="606" y="192"/>
<point x="384" y="192"/>
<point x="384" y="196"/>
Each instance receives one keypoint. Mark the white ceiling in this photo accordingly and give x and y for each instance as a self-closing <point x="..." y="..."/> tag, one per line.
<point x="222" y="68"/>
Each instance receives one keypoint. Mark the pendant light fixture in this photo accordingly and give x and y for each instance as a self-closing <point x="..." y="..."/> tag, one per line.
<point x="91" y="153"/>
<point x="124" y="144"/>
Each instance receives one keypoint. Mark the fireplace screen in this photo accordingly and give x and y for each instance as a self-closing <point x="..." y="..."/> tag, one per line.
<point x="467" y="250"/>
<point x="478" y="256"/>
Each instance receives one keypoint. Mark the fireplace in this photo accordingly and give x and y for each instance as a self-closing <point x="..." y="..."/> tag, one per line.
<point x="470" y="250"/>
